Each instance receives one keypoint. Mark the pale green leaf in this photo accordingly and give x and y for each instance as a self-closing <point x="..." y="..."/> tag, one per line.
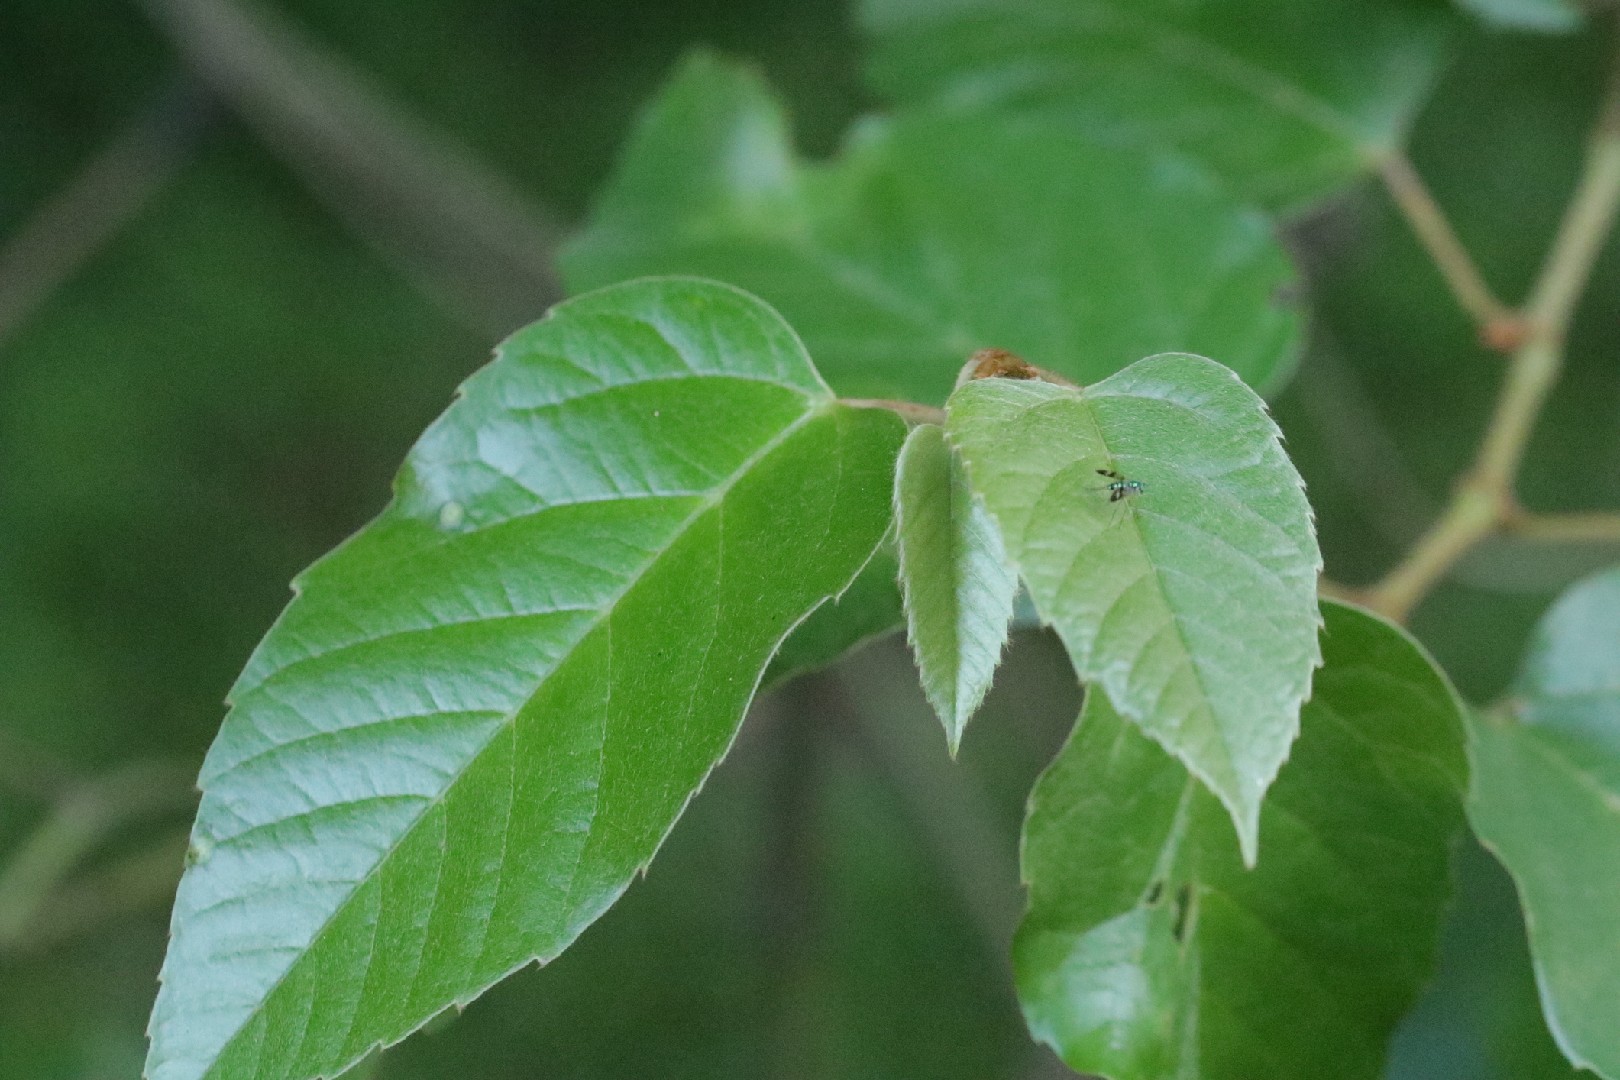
<point x="926" y="240"/>
<point x="1546" y="800"/>
<point x="1286" y="99"/>
<point x="958" y="586"/>
<point x="1148" y="951"/>
<point x="480" y="716"/>
<point x="1546" y="16"/>
<point x="1192" y="605"/>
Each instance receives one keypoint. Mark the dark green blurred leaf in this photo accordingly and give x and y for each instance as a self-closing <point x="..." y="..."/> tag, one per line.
<point x="1546" y="800"/>
<point x="1480" y="1018"/>
<point x="1191" y="603"/>
<point x="1149" y="951"/>
<point x="556" y="625"/>
<point x="959" y="587"/>
<point x="1287" y="100"/>
<point x="868" y="609"/>
<point x="929" y="239"/>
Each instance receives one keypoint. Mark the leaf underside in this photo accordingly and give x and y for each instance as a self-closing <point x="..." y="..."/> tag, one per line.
<point x="959" y="588"/>
<point x="480" y="716"/>
<point x="1149" y="951"/>
<point x="1192" y="605"/>
<point x="1546" y="801"/>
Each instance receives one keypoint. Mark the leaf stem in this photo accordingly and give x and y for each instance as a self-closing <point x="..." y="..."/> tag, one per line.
<point x="1484" y="502"/>
<point x="909" y="411"/>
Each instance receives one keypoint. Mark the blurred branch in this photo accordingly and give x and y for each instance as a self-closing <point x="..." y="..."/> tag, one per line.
<point x="1564" y="528"/>
<point x="81" y="819"/>
<point x="465" y="237"/>
<point x="31" y="772"/>
<point x="144" y="878"/>
<point x="1484" y="501"/>
<point x="80" y="219"/>
<point x="1500" y="328"/>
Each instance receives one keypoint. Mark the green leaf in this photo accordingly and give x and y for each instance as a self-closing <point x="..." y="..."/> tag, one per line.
<point x="1149" y="951"/>
<point x="480" y="716"/>
<point x="1287" y="100"/>
<point x="1546" y="800"/>
<point x="959" y="588"/>
<point x="1191" y="604"/>
<point x="1547" y="16"/>
<point x="927" y="240"/>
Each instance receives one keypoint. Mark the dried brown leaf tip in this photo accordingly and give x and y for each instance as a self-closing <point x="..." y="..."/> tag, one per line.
<point x="1000" y="364"/>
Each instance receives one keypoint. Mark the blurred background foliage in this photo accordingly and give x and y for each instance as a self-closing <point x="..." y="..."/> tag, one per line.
<point x="247" y="253"/>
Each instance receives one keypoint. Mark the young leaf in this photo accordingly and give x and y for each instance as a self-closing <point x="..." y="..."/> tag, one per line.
<point x="926" y="240"/>
<point x="1149" y="951"/>
<point x="959" y="589"/>
<point x="1191" y="604"/>
<point x="1546" y="800"/>
<point x="1547" y="16"/>
<point x="480" y="716"/>
<point x="1287" y="100"/>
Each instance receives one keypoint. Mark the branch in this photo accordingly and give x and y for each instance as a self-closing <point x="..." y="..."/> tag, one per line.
<point x="1499" y="327"/>
<point x="1564" y="528"/>
<point x="82" y="818"/>
<point x="1484" y="501"/>
<point x="468" y="239"/>
<point x="92" y="208"/>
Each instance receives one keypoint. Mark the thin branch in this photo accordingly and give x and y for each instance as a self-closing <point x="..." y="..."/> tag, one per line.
<point x="1494" y="318"/>
<point x="81" y="819"/>
<point x="469" y="240"/>
<point x="97" y="204"/>
<point x="143" y="879"/>
<point x="1565" y="528"/>
<point x="1484" y="501"/>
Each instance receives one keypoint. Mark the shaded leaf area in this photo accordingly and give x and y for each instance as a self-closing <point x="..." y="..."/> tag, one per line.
<point x="868" y="609"/>
<point x="1546" y="16"/>
<point x="553" y="629"/>
<point x="958" y="586"/>
<point x="1480" y="1017"/>
<point x="1287" y="101"/>
<point x="1148" y="950"/>
<point x="1190" y="600"/>
<point x="1546" y="800"/>
<point x="927" y="239"/>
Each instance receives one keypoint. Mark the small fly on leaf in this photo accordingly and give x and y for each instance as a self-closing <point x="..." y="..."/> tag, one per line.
<point x="1119" y="487"/>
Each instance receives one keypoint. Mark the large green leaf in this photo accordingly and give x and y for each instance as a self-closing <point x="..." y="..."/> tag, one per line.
<point x="1192" y="605"/>
<point x="959" y="588"/>
<point x="1547" y="16"/>
<point x="1149" y="951"/>
<point x="926" y="240"/>
<point x="1546" y="800"/>
<point x="1288" y="100"/>
<point x="480" y="716"/>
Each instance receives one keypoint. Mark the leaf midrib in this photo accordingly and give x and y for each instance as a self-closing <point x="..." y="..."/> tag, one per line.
<point x="818" y="408"/>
